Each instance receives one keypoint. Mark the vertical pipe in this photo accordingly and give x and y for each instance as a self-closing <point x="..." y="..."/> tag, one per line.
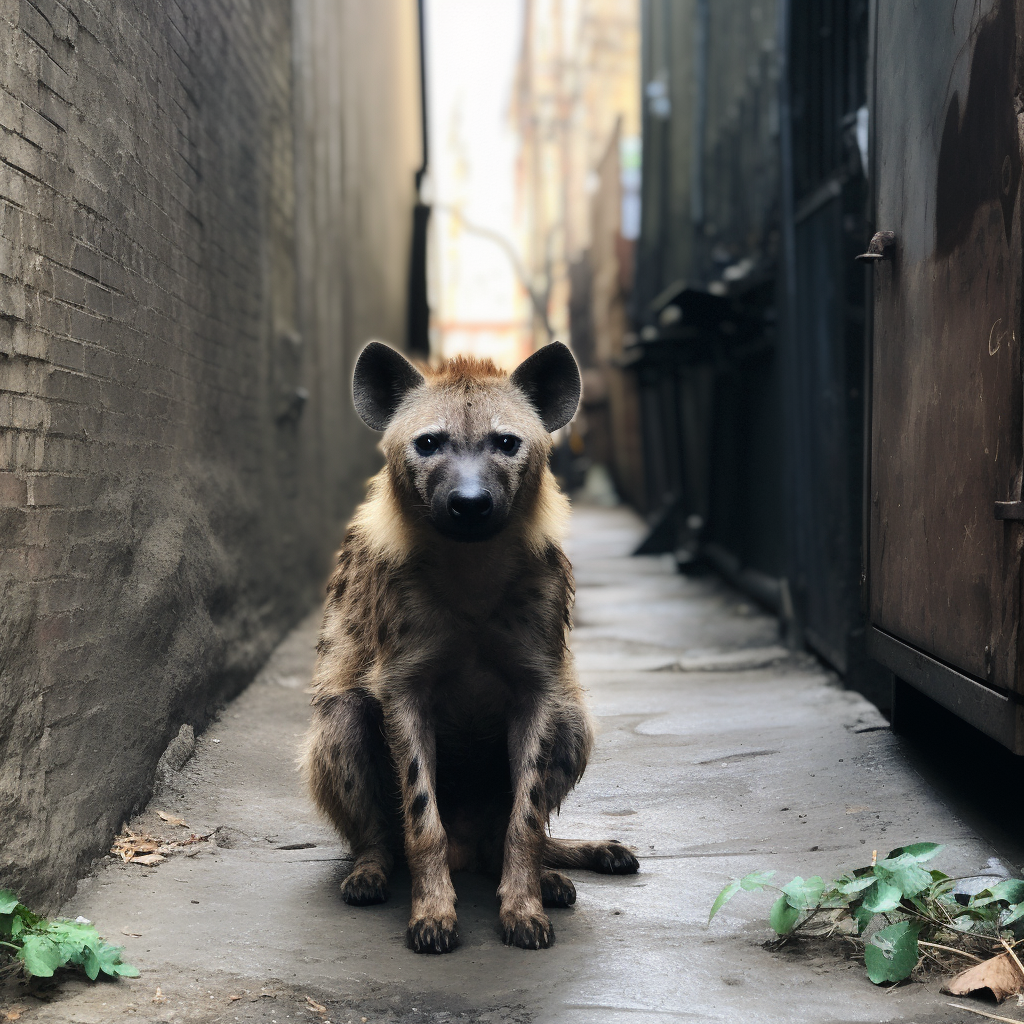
<point x="423" y="94"/>
<point x="869" y="314"/>
<point x="700" y="110"/>
<point x="665" y="133"/>
<point x="788" y="341"/>
<point x="417" y="304"/>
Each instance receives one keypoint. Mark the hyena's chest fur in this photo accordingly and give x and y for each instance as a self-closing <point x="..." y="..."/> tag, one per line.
<point x="483" y="633"/>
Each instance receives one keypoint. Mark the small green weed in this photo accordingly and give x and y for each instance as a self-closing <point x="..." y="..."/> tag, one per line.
<point x="891" y="906"/>
<point x="43" y="946"/>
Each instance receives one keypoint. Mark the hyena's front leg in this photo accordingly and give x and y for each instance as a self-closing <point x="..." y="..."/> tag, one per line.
<point x="548" y="748"/>
<point x="432" y="923"/>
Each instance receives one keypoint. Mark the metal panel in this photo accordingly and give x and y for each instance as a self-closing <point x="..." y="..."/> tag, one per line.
<point x="827" y="551"/>
<point x="823" y="224"/>
<point x="944" y="574"/>
<point x="998" y="715"/>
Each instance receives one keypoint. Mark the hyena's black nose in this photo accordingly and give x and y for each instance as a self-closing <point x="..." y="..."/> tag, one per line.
<point x="470" y="505"/>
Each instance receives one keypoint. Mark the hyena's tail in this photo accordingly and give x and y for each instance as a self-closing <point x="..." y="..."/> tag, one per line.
<point x="609" y="857"/>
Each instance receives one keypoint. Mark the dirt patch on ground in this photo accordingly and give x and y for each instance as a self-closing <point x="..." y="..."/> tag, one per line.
<point x="72" y="1000"/>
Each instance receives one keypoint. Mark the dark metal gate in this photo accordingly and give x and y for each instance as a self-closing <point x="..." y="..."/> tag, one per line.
<point x="944" y="568"/>
<point x="824" y="197"/>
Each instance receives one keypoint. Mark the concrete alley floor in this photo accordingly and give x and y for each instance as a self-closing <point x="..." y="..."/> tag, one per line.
<point x="719" y="753"/>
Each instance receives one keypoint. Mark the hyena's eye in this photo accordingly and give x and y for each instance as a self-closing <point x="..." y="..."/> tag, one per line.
<point x="427" y="444"/>
<point x="508" y="443"/>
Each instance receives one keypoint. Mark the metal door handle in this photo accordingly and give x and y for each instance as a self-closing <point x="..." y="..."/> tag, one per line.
<point x="881" y="247"/>
<point x="1010" y="510"/>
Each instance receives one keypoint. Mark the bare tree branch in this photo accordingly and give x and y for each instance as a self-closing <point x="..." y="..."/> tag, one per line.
<point x="539" y="299"/>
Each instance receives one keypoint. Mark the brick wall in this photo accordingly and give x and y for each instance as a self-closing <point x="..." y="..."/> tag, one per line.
<point x="204" y="211"/>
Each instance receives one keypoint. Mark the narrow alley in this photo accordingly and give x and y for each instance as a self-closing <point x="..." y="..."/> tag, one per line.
<point x="719" y="753"/>
<point x="675" y="238"/>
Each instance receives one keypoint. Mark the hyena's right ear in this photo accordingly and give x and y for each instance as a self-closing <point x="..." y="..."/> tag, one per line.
<point x="381" y="379"/>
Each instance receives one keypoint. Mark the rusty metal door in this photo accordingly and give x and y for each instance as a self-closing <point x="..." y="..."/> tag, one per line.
<point x="944" y="574"/>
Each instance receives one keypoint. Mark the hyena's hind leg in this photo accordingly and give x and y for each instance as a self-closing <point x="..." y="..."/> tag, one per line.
<point x="609" y="857"/>
<point x="562" y="763"/>
<point x="350" y="775"/>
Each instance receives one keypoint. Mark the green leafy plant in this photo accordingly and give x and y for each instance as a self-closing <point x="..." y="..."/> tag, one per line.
<point x="892" y="906"/>
<point x="43" y="946"/>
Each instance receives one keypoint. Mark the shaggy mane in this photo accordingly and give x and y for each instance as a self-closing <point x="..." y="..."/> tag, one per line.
<point x="463" y="370"/>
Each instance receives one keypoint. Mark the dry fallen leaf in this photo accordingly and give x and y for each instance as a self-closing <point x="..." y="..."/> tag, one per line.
<point x="314" y="1005"/>
<point x="856" y="809"/>
<point x="173" y="819"/>
<point x="128" y="845"/>
<point x="234" y="999"/>
<point x="1000" y="976"/>
<point x="159" y="997"/>
<point x="14" y="1013"/>
<point x="134" y="935"/>
<point x="201" y="837"/>
<point x="148" y="860"/>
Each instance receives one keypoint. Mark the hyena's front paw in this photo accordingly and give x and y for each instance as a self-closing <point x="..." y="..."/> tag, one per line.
<point x="433" y="934"/>
<point x="527" y="930"/>
<point x="556" y="889"/>
<point x="612" y="858"/>
<point x="365" y="886"/>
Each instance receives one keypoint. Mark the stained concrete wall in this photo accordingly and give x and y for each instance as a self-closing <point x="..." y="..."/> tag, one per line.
<point x="205" y="208"/>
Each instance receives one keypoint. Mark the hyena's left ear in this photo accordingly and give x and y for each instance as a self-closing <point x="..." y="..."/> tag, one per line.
<point x="381" y="379"/>
<point x="551" y="380"/>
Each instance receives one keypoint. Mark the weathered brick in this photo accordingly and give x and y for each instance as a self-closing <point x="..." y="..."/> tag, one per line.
<point x="8" y="266"/>
<point x="28" y="413"/>
<point x="41" y="132"/>
<point x="61" y="491"/>
<point x="13" y="490"/>
<point x="54" y="77"/>
<point x="34" y="25"/>
<point x="29" y="342"/>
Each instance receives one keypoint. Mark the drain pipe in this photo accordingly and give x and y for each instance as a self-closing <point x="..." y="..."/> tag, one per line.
<point x="418" y="308"/>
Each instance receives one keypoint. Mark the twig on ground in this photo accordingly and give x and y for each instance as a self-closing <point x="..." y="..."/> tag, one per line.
<point x="982" y="1013"/>
<point x="952" y="949"/>
<point x="946" y="913"/>
<point x="807" y="920"/>
<point x="926" y="917"/>
<point x="12" y="968"/>
<point x="1009" y="949"/>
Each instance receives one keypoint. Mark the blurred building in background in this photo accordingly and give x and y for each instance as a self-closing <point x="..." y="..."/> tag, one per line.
<point x="576" y="111"/>
<point x="479" y="304"/>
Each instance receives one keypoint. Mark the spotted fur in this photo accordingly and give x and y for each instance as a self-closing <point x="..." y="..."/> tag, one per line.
<point x="448" y="721"/>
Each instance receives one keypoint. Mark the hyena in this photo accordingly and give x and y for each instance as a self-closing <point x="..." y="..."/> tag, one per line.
<point x="447" y="717"/>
